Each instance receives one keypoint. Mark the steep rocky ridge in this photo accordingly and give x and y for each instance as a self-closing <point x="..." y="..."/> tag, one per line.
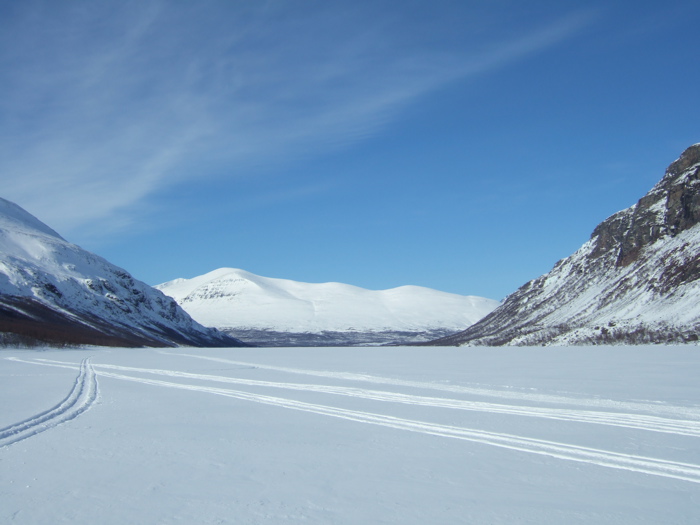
<point x="637" y="280"/>
<point x="52" y="291"/>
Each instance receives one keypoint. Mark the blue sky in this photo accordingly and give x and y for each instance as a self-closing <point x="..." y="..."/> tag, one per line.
<point x="460" y="145"/>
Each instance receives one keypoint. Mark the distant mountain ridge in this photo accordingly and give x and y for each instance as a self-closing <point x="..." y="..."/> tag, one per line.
<point x="52" y="291"/>
<point x="636" y="281"/>
<point x="281" y="312"/>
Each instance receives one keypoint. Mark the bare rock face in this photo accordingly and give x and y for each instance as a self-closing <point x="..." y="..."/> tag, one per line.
<point x="637" y="280"/>
<point x="672" y="206"/>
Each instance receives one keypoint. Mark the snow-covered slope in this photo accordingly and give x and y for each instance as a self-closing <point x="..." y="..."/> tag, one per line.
<point x="55" y="291"/>
<point x="236" y="300"/>
<point x="637" y="280"/>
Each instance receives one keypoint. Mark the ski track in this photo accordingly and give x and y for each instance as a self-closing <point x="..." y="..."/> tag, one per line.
<point x="604" y="458"/>
<point x="616" y="419"/>
<point x="81" y="397"/>
<point x="653" y="408"/>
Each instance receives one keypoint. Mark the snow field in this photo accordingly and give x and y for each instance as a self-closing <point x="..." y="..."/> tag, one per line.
<point x="396" y="435"/>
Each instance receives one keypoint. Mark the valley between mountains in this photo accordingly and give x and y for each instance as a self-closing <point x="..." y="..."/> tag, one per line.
<point x="144" y="405"/>
<point x="636" y="281"/>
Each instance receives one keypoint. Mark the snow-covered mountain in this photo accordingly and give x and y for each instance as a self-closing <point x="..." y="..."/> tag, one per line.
<point x="54" y="291"/>
<point x="284" y="312"/>
<point x="637" y="280"/>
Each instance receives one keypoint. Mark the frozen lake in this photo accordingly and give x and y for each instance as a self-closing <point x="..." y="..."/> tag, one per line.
<point x="351" y="435"/>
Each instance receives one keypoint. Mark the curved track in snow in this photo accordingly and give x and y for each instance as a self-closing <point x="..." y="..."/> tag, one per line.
<point x="81" y="397"/>
<point x="654" y="466"/>
<point x="683" y="427"/>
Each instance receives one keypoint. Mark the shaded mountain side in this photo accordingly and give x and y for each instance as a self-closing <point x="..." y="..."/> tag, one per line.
<point x="637" y="280"/>
<point x="26" y="322"/>
<point x="54" y="292"/>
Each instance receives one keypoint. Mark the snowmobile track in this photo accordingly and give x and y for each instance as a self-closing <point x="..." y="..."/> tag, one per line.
<point x="617" y="419"/>
<point x="603" y="458"/>
<point x="565" y="451"/>
<point x="81" y="397"/>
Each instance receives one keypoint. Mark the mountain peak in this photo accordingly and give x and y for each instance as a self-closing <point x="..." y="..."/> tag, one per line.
<point x="688" y="159"/>
<point x="15" y="217"/>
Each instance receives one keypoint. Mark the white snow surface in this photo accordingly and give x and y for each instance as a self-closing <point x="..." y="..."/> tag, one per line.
<point x="604" y="435"/>
<point x="230" y="298"/>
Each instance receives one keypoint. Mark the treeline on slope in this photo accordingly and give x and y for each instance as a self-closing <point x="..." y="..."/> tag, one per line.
<point x="609" y="334"/>
<point x="28" y="323"/>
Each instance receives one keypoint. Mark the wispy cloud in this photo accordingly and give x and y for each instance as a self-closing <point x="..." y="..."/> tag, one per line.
<point x="104" y="104"/>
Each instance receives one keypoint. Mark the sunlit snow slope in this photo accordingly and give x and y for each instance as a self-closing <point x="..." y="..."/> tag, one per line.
<point x="237" y="300"/>
<point x="54" y="291"/>
<point x="637" y="280"/>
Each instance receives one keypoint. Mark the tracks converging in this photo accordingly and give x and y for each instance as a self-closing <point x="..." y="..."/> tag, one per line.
<point x="81" y="397"/>
<point x="628" y="415"/>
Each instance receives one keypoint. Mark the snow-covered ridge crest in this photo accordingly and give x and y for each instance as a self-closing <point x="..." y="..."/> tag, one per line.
<point x="51" y="285"/>
<point x="231" y="299"/>
<point x="13" y="217"/>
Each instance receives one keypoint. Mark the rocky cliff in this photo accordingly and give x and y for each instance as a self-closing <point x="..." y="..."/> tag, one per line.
<point x="637" y="280"/>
